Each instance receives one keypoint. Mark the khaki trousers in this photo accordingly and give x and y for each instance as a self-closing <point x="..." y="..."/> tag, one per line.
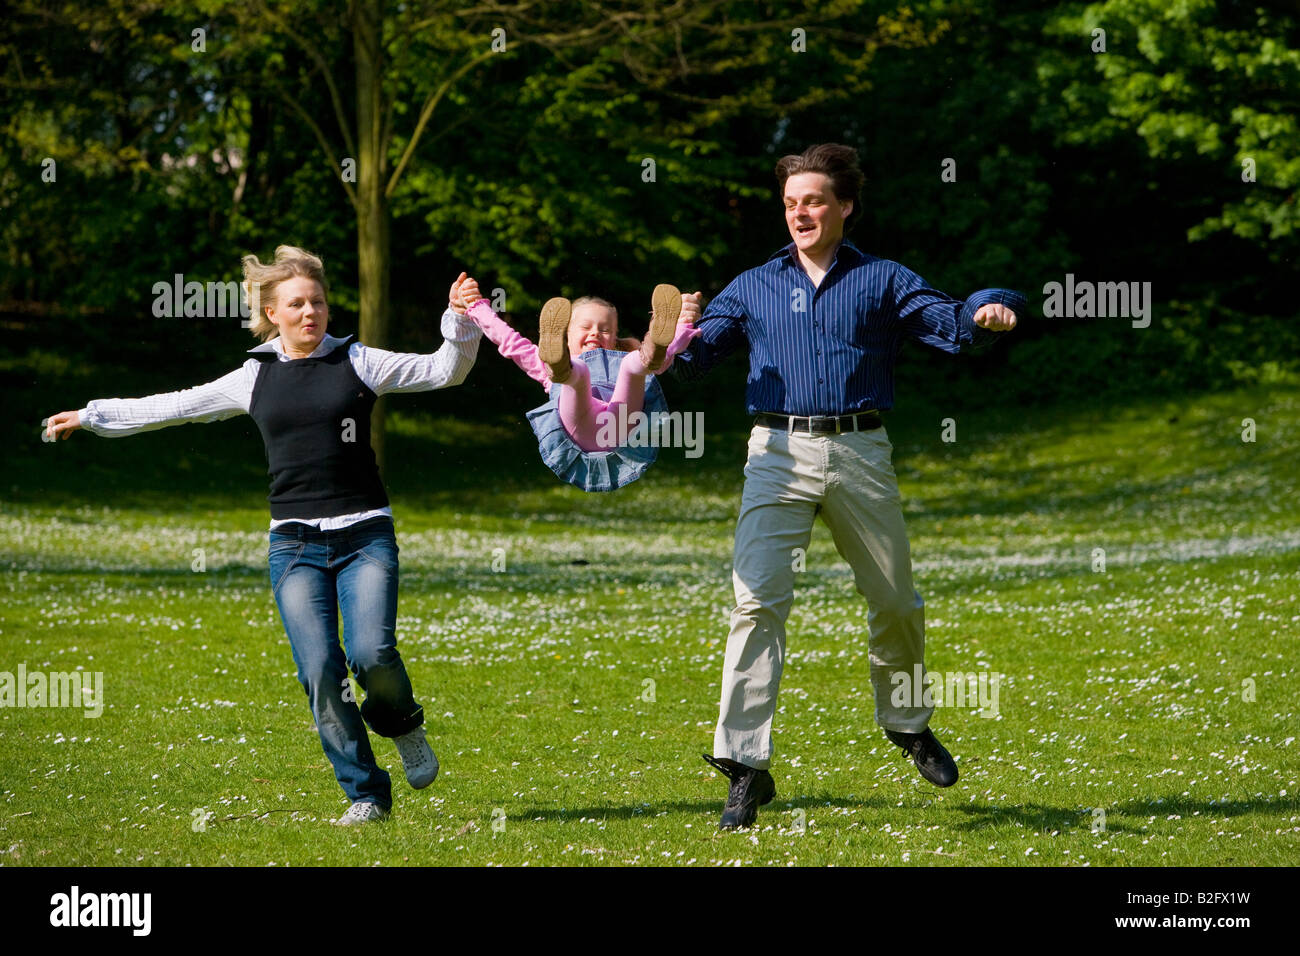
<point x="791" y="478"/>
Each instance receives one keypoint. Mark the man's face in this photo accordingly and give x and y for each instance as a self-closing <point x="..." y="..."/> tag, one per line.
<point x="813" y="214"/>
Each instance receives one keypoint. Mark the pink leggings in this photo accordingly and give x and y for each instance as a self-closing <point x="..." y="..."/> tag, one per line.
<point x="583" y="414"/>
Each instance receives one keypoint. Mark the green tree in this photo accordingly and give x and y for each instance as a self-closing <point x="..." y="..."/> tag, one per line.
<point x="1201" y="79"/>
<point x="394" y="83"/>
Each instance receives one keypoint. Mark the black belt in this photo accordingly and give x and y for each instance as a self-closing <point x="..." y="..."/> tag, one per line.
<point x="821" y="424"/>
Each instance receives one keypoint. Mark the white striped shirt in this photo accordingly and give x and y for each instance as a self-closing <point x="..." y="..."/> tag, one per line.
<point x="231" y="395"/>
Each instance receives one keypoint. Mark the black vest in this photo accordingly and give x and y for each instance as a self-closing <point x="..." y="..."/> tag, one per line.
<point x="314" y="416"/>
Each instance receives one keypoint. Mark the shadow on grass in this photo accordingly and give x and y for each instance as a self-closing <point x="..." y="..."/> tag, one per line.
<point x="648" y="811"/>
<point x="1057" y="488"/>
<point x="1035" y="816"/>
<point x="1047" y="818"/>
<point x="489" y="466"/>
<point x="560" y="576"/>
<point x="237" y="576"/>
<point x="1187" y="806"/>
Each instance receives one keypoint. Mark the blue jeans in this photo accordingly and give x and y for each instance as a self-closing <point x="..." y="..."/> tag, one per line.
<point x="315" y="575"/>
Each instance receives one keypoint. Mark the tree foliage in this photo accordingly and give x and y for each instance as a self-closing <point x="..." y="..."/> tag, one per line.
<point x="573" y="147"/>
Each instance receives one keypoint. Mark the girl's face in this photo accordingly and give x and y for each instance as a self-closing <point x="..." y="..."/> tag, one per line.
<point x="592" y="326"/>
<point x="300" y="313"/>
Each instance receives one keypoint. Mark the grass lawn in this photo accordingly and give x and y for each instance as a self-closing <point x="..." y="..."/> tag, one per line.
<point x="1146" y="712"/>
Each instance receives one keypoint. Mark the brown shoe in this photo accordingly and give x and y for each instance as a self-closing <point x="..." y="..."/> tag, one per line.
<point x="666" y="307"/>
<point x="553" y="338"/>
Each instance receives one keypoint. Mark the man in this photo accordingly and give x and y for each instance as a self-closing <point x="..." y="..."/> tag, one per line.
<point x="824" y="323"/>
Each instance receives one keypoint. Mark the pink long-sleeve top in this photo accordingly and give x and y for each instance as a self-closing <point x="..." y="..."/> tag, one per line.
<point x="523" y="353"/>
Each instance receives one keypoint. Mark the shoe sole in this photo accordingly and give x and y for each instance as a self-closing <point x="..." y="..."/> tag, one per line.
<point x="553" y="336"/>
<point x="422" y="749"/>
<point x="665" y="310"/>
<point x="417" y="785"/>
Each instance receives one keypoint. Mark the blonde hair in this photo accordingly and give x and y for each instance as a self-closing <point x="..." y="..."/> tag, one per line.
<point x="261" y="280"/>
<point x="596" y="300"/>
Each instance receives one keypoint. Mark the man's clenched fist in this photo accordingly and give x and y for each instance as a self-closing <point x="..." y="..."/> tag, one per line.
<point x="995" y="318"/>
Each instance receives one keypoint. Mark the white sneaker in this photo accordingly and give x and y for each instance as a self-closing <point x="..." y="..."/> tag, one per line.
<point x="361" y="812"/>
<point x="418" y="760"/>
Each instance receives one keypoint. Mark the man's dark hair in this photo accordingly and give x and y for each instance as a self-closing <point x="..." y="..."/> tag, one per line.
<point x="838" y="163"/>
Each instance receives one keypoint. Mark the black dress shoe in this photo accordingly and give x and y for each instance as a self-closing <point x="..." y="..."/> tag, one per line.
<point x="935" y="763"/>
<point x="750" y="789"/>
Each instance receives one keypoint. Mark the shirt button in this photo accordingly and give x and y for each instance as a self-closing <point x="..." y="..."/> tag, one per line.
<point x="821" y="381"/>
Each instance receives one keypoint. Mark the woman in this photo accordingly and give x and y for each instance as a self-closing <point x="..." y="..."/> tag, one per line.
<point x="332" y="547"/>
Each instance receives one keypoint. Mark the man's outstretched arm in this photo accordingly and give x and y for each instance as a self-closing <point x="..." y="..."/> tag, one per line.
<point x="939" y="320"/>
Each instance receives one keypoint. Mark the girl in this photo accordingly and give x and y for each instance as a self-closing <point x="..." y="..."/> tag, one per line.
<point x="593" y="398"/>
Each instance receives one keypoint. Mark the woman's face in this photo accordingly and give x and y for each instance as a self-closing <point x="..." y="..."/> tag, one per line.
<point x="300" y="313"/>
<point x="592" y="326"/>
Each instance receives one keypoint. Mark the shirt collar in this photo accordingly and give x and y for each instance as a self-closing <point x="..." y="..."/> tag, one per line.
<point x="790" y="251"/>
<point x="328" y="344"/>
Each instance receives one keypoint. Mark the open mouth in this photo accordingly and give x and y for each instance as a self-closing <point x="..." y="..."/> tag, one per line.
<point x="805" y="230"/>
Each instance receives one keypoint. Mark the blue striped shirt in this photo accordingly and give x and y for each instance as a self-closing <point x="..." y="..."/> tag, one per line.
<point x="830" y="349"/>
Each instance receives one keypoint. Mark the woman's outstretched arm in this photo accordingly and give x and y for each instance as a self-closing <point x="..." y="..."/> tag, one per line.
<point x="225" y="398"/>
<point x="510" y="343"/>
<point x="465" y="295"/>
<point x="383" y="371"/>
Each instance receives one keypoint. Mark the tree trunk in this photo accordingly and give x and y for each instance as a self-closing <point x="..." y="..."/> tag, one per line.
<point x="373" y="222"/>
